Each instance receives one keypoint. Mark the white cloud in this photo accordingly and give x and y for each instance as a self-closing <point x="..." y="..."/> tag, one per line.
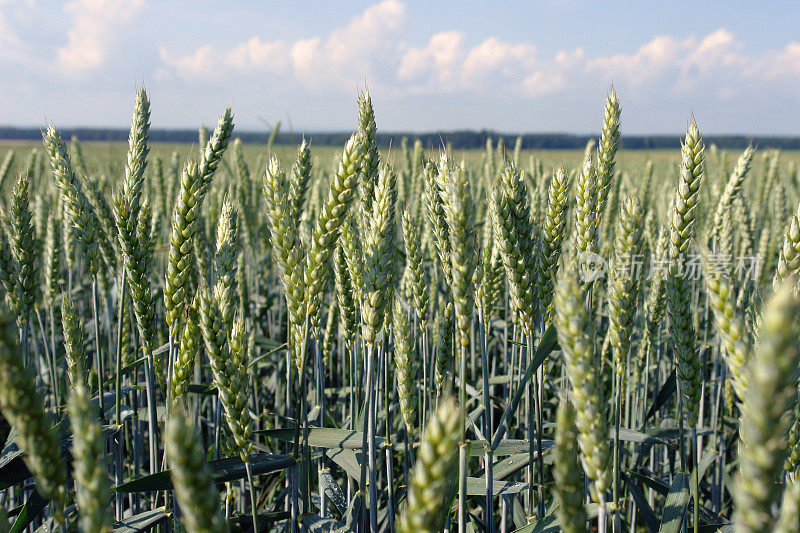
<point x="192" y="65"/>
<point x="718" y="48"/>
<point x="253" y="57"/>
<point x="444" y="74"/>
<point x="306" y="57"/>
<point x="258" y="54"/>
<point x="785" y="62"/>
<point x="374" y="47"/>
<point x="95" y="28"/>
<point x="556" y="75"/>
<point x="13" y="48"/>
<point x="344" y="58"/>
<point x="659" y="57"/>
<point x="8" y="37"/>
<point x="716" y="64"/>
<point x="494" y="57"/>
<point x="375" y="35"/>
<point x="445" y="64"/>
<point x="435" y="65"/>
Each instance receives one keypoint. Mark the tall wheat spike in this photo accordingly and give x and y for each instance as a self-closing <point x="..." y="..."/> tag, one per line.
<point x="678" y="287"/>
<point x="194" y="486"/>
<point x="287" y="250"/>
<point x="730" y="324"/>
<point x="606" y="150"/>
<point x="623" y="289"/>
<point x="81" y="214"/>
<point x="379" y="259"/>
<point x="460" y="215"/>
<point x="553" y="228"/>
<point x="23" y="407"/>
<point x="180" y="258"/>
<point x="24" y="247"/>
<point x="771" y="392"/>
<point x="576" y="338"/>
<point x="567" y="471"/>
<point x="406" y="365"/>
<point x="437" y="461"/>
<point x="327" y="227"/>
<point x="88" y="452"/>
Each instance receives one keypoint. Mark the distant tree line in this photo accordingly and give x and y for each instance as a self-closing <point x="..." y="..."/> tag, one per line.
<point x="457" y="140"/>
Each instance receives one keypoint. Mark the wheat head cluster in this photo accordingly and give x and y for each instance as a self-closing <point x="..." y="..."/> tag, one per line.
<point x="263" y="338"/>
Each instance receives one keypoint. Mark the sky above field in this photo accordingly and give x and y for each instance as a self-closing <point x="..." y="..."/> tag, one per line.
<point x="510" y="66"/>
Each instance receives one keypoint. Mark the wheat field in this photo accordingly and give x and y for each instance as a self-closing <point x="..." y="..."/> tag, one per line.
<point x="230" y="337"/>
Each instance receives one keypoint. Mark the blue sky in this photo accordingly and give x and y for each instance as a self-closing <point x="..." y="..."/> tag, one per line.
<point x="511" y="66"/>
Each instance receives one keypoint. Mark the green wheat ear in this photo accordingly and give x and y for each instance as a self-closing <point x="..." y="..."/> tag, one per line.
<point x="214" y="150"/>
<point x="22" y="405"/>
<point x="789" y="255"/>
<point x="88" y="452"/>
<point x="607" y="149"/>
<point x="771" y="392"/>
<point x="406" y="365"/>
<point x="227" y="354"/>
<point x="8" y="268"/>
<point x="301" y="176"/>
<point x="327" y="227"/>
<point x="444" y="346"/>
<point x="679" y="289"/>
<point x="287" y="250"/>
<point x="418" y="278"/>
<point x="553" y="228"/>
<point x="52" y="260"/>
<point x="191" y="338"/>
<point x="437" y="461"/>
<point x="789" y="519"/>
<point x="179" y="262"/>
<point x="567" y="471"/>
<point x="370" y="159"/>
<point x="623" y="289"/>
<point x="379" y="258"/>
<point x="73" y="342"/>
<point x="436" y="213"/>
<point x="24" y="247"/>
<point x="654" y="307"/>
<point x="510" y="211"/>
<point x="734" y="187"/>
<point x="194" y="486"/>
<point x="5" y="167"/>
<point x="460" y="215"/>
<point x="730" y="324"/>
<point x="225" y="263"/>
<point x="576" y="338"/>
<point x="345" y="295"/>
<point x="82" y="216"/>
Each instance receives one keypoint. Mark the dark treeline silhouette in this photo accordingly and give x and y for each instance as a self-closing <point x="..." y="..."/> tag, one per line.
<point x="457" y="140"/>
